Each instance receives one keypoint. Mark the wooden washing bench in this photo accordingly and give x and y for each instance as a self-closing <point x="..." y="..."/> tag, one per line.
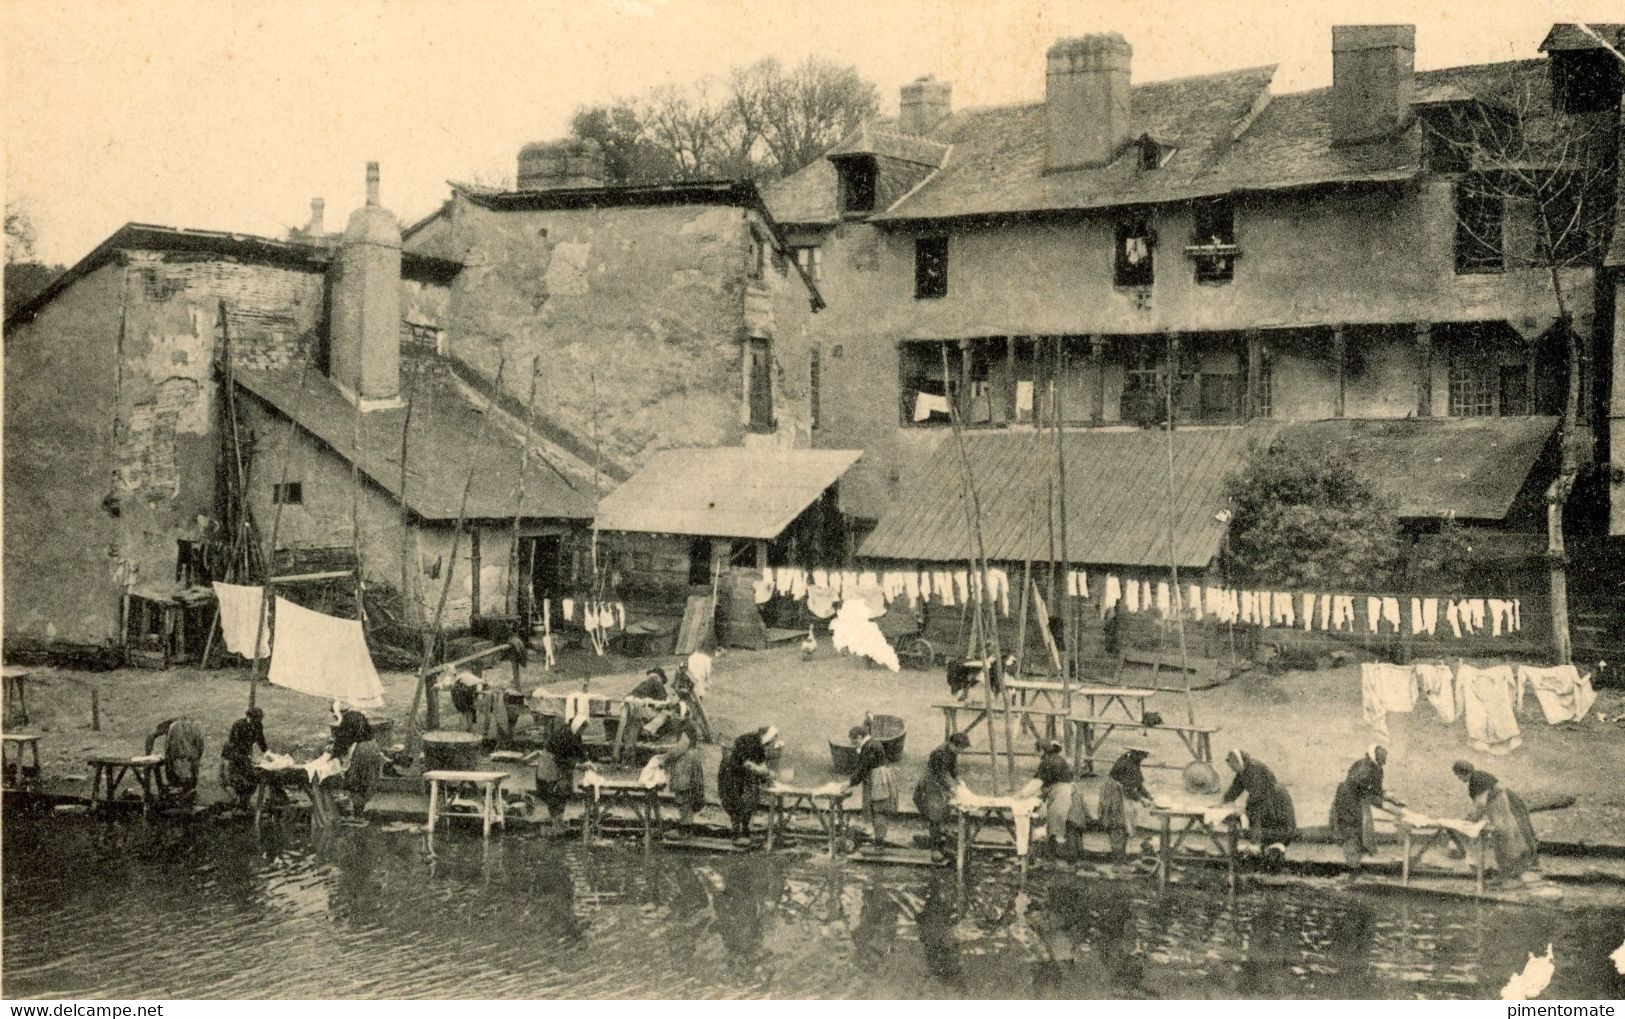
<point x="1091" y="732"/>
<point x="1054" y="721"/>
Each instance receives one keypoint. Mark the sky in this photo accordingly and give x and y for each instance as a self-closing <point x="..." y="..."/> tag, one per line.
<point x="232" y="115"/>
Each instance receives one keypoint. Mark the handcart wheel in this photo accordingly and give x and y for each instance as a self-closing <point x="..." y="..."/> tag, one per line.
<point x="918" y="654"/>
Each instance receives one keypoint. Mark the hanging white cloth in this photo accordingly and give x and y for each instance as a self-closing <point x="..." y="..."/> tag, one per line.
<point x="324" y="657"/>
<point x="1163" y="599"/>
<point x="1131" y="596"/>
<point x="1438" y="685"/>
<point x="1487" y="702"/>
<point x="1390" y="613"/>
<point x="1373" y="612"/>
<point x="240" y="609"/>
<point x="569" y="607"/>
<point x="1430" y="615"/>
<point x="1307" y="603"/>
<point x="1385" y="688"/>
<point x="942" y="582"/>
<point x="1416" y="615"/>
<point x="1193" y="602"/>
<point x="1325" y="612"/>
<point x="1452" y="615"/>
<point x="1113" y="593"/>
<point x="854" y="632"/>
<point x="1564" y="694"/>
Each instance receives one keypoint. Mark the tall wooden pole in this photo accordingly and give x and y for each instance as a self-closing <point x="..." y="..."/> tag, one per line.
<point x="1068" y="658"/>
<point x="978" y="550"/>
<point x="356" y="425"/>
<point x="276" y="524"/>
<point x="519" y="494"/>
<point x="1173" y="559"/>
<point x="431" y="708"/>
<point x="410" y="606"/>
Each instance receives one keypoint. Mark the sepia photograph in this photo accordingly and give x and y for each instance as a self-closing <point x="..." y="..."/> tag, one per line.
<point x="697" y="500"/>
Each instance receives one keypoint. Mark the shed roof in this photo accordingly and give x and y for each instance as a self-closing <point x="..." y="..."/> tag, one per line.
<point x="1118" y="506"/>
<point x="729" y="492"/>
<point x="1469" y="468"/>
<point x="1570" y="36"/>
<point x="446" y="441"/>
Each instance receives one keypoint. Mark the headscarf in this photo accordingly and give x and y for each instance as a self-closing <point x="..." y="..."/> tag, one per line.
<point x="1371" y="753"/>
<point x="770" y="735"/>
<point x="1236" y="758"/>
<point x="578" y="723"/>
<point x="959" y="741"/>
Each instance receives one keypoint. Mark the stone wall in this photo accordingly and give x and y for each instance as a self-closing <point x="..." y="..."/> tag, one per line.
<point x="63" y="569"/>
<point x="634" y="317"/>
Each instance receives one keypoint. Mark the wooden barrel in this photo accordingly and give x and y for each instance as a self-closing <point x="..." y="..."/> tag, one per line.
<point x="449" y="750"/>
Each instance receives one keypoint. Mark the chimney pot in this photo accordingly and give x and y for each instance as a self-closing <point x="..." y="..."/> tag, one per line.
<point x="1373" y="81"/>
<point x="923" y="104"/>
<point x="317" y="208"/>
<point x="1086" y="100"/>
<point x="365" y="337"/>
<point x="565" y="163"/>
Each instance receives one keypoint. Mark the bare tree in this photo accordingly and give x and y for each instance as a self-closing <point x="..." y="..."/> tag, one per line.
<point x="761" y="121"/>
<point x="20" y="235"/>
<point x="1533" y="172"/>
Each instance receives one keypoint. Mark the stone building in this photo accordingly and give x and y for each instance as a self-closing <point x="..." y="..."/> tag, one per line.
<point x="1310" y="263"/>
<point x="648" y="318"/>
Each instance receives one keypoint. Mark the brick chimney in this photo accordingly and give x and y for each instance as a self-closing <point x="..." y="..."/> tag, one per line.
<point x="1373" y="79"/>
<point x="317" y="208"/>
<point x="1086" y="100"/>
<point x="567" y="163"/>
<point x="365" y="342"/>
<point x="923" y="104"/>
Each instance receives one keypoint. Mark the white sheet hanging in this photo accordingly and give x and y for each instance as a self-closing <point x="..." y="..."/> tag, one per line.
<point x="240" y="609"/>
<point x="324" y="657"/>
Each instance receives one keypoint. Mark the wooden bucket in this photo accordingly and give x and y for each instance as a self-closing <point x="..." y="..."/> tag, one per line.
<point x="449" y="750"/>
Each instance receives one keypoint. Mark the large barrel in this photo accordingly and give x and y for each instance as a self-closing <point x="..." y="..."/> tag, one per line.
<point x="449" y="750"/>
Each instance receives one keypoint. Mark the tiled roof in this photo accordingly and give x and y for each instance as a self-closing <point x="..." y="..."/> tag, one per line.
<point x="726" y="492"/>
<point x="1228" y="134"/>
<point x="1470" y="468"/>
<point x="445" y="442"/>
<point x="1118" y="502"/>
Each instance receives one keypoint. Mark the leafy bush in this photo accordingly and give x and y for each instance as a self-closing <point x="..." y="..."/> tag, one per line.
<point x="1303" y="516"/>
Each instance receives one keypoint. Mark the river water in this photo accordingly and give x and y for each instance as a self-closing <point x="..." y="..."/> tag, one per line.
<point x="212" y="909"/>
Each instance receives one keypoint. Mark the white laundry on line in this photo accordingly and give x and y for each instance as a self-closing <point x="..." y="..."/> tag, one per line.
<point x="240" y="609"/>
<point x="323" y="656"/>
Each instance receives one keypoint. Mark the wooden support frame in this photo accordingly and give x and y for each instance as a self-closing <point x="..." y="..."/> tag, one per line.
<point x="1340" y="359"/>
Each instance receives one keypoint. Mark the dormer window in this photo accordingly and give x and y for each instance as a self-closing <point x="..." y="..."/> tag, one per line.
<point x="1135" y="246"/>
<point x="857" y="174"/>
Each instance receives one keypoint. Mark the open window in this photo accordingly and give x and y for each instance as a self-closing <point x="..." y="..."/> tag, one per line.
<point x="924" y="391"/>
<point x="288" y="493"/>
<point x="811" y="259"/>
<point x="1213" y="240"/>
<point x="1134" y="250"/>
<point x="930" y="267"/>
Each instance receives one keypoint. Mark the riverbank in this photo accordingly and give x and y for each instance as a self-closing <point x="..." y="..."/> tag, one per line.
<point x="1306" y="725"/>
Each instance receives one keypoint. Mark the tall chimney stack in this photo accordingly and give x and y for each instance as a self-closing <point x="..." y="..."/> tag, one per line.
<point x="555" y="165"/>
<point x="1086" y="100"/>
<point x="1373" y="81"/>
<point x="365" y="341"/>
<point x="317" y="209"/>
<point x="923" y="104"/>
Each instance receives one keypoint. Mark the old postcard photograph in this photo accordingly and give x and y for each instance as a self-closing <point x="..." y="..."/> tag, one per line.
<point x="847" y="499"/>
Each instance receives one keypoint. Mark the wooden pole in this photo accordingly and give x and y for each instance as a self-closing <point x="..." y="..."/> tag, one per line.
<point x="411" y="609"/>
<point x="519" y="493"/>
<point x="96" y="708"/>
<point x="431" y="708"/>
<point x="978" y="549"/>
<point x="276" y="524"/>
<point x="1069" y="635"/>
<point x="1173" y="560"/>
<point x="1021" y="625"/>
<point x="357" y="424"/>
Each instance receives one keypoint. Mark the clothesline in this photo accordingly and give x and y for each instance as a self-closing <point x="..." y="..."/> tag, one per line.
<point x="1327" y="612"/>
<point x="1488" y="700"/>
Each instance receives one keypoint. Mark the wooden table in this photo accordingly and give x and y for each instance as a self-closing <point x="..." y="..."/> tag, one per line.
<point x="272" y="779"/>
<point x="1411" y="824"/>
<point x="977" y="812"/>
<point x="490" y="786"/>
<point x="606" y="791"/>
<point x="1194" y="822"/>
<point x="1022" y="713"/>
<point x="829" y="808"/>
<point x="108" y="772"/>
<point x="16" y="691"/>
<point x="1090" y="734"/>
<point x="17" y="745"/>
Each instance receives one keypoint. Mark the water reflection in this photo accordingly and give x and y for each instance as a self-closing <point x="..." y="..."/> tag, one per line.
<point x="132" y="910"/>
